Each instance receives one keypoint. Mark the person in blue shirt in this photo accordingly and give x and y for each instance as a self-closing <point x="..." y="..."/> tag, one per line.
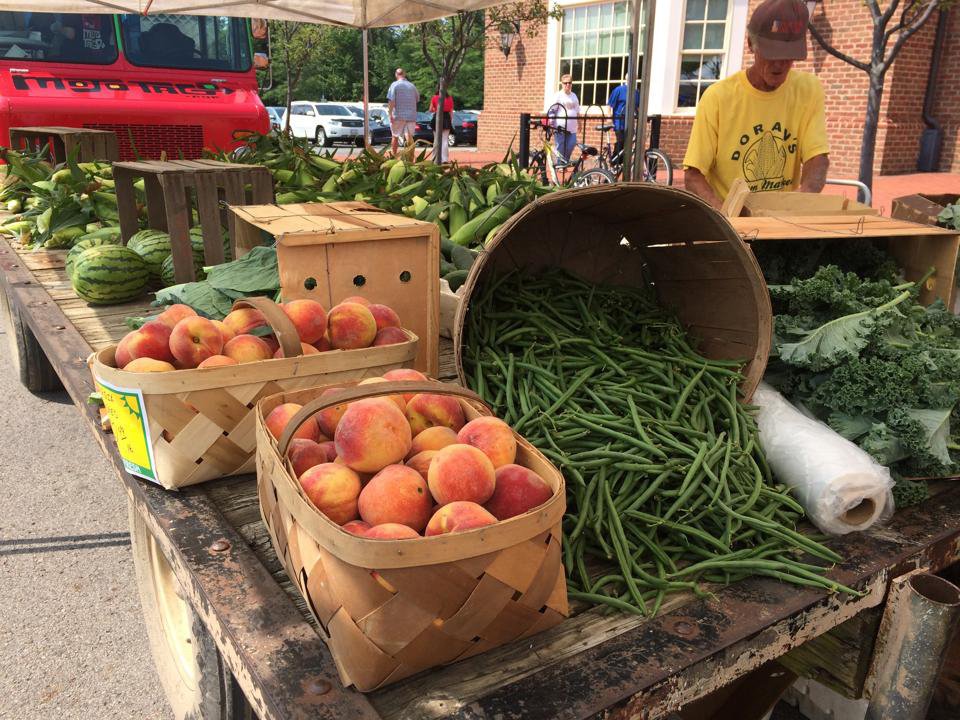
<point x="618" y="105"/>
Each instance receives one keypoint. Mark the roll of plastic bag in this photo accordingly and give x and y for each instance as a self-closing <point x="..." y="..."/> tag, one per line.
<point x="842" y="489"/>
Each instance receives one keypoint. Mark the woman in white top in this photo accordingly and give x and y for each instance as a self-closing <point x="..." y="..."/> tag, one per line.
<point x="565" y="109"/>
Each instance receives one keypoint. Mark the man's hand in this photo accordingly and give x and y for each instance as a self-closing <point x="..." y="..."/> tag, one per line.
<point x="695" y="182"/>
<point x="813" y="176"/>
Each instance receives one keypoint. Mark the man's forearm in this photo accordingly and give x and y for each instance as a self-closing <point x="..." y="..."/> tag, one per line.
<point x="813" y="176"/>
<point x="695" y="182"/>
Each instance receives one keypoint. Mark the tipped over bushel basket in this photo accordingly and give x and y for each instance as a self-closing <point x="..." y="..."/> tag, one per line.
<point x="631" y="234"/>
<point x="392" y="608"/>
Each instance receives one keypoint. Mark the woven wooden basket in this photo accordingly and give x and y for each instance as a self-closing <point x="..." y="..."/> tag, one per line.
<point x="201" y="422"/>
<point x="391" y="608"/>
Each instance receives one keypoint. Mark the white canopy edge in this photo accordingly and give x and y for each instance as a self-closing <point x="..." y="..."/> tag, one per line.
<point x="351" y="13"/>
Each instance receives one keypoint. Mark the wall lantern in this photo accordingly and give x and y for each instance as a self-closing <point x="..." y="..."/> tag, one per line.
<point x="508" y="31"/>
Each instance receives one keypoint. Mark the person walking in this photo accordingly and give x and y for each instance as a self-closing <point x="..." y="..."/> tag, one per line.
<point x="402" y="99"/>
<point x="447" y="117"/>
<point x="565" y="109"/>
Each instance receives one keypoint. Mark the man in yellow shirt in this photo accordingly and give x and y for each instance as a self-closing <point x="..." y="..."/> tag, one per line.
<point x="764" y="124"/>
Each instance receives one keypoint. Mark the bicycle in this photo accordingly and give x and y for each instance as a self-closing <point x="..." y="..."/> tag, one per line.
<point x="545" y="164"/>
<point x="657" y="167"/>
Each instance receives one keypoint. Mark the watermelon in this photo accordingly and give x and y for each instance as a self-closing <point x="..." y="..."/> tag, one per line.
<point x="154" y="249"/>
<point x="166" y="269"/>
<point x="109" y="275"/>
<point x="142" y="235"/>
<point x="196" y="239"/>
<point x="86" y="244"/>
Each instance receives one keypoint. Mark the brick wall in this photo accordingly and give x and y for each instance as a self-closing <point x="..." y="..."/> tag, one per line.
<point x="516" y="85"/>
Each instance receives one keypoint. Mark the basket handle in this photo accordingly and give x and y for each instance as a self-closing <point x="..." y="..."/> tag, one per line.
<point x="358" y="392"/>
<point x="281" y="325"/>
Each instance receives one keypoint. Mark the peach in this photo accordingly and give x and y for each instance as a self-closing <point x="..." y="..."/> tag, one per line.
<point x="493" y="436"/>
<point x="330" y="448"/>
<point x="396" y="494"/>
<point x="390" y="531"/>
<point x="357" y="299"/>
<point x="421" y="461"/>
<point x="121" y="355"/>
<point x="329" y="418"/>
<point x="457" y="517"/>
<point x="304" y="350"/>
<point x="333" y="489"/>
<point x="390" y="336"/>
<point x="272" y="343"/>
<point x="429" y="410"/>
<point x="151" y="340"/>
<point x="225" y="332"/>
<point x="146" y="364"/>
<point x="323" y="344"/>
<point x="406" y="374"/>
<point x="398" y="399"/>
<point x="174" y="314"/>
<point x="243" y="320"/>
<point x="385" y="316"/>
<point x="372" y="434"/>
<point x="246" y="349"/>
<point x="308" y="317"/>
<point x="434" y="438"/>
<point x="461" y="472"/>
<point x="518" y="489"/>
<point x="304" y="454"/>
<point x="356" y="527"/>
<point x="351" y="326"/>
<point x="279" y="417"/>
<point x="193" y="340"/>
<point x="217" y="361"/>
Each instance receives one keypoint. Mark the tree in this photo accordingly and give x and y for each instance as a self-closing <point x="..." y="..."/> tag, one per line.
<point x="446" y="43"/>
<point x="296" y="44"/>
<point x="913" y="15"/>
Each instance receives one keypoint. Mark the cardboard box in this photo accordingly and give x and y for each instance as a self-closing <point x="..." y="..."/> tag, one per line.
<point x="330" y="251"/>
<point x="921" y="208"/>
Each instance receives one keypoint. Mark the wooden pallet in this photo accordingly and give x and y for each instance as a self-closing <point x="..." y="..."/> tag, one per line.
<point x="92" y="144"/>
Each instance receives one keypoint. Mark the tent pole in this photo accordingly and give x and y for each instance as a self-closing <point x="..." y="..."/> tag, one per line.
<point x="628" y="124"/>
<point x="639" y="155"/>
<point x="366" y="92"/>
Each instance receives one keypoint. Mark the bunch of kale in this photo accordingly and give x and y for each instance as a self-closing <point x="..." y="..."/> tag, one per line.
<point x="878" y="367"/>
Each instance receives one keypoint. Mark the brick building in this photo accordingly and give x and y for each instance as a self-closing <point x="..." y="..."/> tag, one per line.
<point x="698" y="41"/>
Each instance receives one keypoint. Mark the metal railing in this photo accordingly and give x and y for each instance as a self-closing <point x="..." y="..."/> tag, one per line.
<point x="863" y="192"/>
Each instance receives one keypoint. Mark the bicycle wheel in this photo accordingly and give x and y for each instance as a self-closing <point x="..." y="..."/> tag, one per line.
<point x="593" y="176"/>
<point x="658" y="168"/>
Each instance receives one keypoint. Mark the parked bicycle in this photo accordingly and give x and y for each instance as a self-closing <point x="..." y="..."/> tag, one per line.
<point x="551" y="169"/>
<point x="656" y="167"/>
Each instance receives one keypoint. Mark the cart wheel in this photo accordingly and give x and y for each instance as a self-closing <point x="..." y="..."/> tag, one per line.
<point x="29" y="360"/>
<point x="197" y="683"/>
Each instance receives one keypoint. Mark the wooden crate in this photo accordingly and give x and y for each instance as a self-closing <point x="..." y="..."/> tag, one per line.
<point x="330" y="251"/>
<point x="921" y="208"/>
<point x="93" y="144"/>
<point x="916" y="248"/>
<point x="174" y="189"/>
<point x="777" y="204"/>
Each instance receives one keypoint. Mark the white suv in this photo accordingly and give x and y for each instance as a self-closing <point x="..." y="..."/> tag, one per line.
<point x="326" y="123"/>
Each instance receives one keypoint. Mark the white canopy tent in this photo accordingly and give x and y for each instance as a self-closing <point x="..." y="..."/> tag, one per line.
<point x="361" y="14"/>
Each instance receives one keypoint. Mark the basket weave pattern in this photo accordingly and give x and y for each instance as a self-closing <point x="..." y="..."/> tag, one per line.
<point x="396" y="611"/>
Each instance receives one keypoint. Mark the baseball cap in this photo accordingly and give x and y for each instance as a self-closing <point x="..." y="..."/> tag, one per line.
<point x="778" y="29"/>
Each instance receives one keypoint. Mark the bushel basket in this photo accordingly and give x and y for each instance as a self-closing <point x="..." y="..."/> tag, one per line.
<point x="392" y="608"/>
<point x="200" y="423"/>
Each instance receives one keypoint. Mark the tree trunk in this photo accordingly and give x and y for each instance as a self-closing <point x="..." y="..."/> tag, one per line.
<point x="871" y="122"/>
<point x="438" y="116"/>
<point x="286" y="115"/>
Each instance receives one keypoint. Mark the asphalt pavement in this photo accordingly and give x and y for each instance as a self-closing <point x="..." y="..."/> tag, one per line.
<point x="72" y="640"/>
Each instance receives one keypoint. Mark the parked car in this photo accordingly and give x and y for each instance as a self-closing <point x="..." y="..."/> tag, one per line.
<point x="464" y="129"/>
<point x="424" y="129"/>
<point x="276" y="116"/>
<point x="326" y="123"/>
<point x="378" y="122"/>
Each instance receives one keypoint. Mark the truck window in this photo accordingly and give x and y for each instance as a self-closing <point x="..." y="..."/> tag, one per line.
<point x="58" y="37"/>
<point x="190" y="42"/>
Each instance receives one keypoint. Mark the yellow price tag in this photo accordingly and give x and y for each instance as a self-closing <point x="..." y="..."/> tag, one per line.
<point x="131" y="429"/>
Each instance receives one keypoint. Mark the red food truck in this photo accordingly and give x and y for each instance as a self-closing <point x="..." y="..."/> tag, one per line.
<point x="174" y="83"/>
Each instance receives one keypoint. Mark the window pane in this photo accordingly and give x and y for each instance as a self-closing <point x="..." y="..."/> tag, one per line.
<point x="566" y="47"/>
<point x="606" y="15"/>
<point x="696" y="9"/>
<point x="713" y="39"/>
<point x="605" y="43"/>
<point x="593" y="17"/>
<point x="581" y="19"/>
<point x="587" y="96"/>
<point x="616" y="68"/>
<point x="620" y="14"/>
<point x="687" y="97"/>
<point x="578" y="44"/>
<point x="590" y="69"/>
<point x="603" y="69"/>
<point x="693" y="36"/>
<point x="620" y="43"/>
<point x="690" y="69"/>
<point x="710" y="69"/>
<point x="576" y="69"/>
<point x="717" y="10"/>
<point x="590" y="44"/>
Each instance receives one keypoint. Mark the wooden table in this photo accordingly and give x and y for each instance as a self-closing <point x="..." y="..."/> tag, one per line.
<point x="595" y="662"/>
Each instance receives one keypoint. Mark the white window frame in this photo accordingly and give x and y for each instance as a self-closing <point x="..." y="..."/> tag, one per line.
<point x="667" y="51"/>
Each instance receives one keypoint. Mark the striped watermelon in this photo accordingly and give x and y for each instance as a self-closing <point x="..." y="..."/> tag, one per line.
<point x="154" y="249"/>
<point x="82" y="245"/>
<point x="166" y="269"/>
<point x="142" y="235"/>
<point x="109" y="275"/>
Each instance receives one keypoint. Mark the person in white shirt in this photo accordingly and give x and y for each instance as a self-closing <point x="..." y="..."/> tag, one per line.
<point x="564" y="110"/>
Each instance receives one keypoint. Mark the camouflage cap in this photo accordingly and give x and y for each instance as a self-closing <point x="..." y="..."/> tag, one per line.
<point x="778" y="29"/>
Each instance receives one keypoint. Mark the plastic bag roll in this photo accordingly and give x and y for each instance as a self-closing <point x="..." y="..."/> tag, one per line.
<point x="842" y="489"/>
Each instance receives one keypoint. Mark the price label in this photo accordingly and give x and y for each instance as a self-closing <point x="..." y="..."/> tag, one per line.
<point x="128" y="421"/>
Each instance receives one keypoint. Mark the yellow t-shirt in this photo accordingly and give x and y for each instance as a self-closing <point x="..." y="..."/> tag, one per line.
<point x="763" y="137"/>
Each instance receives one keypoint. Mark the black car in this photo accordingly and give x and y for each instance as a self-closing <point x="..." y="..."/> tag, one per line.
<point x="424" y="129"/>
<point x="464" y="129"/>
<point x="379" y="133"/>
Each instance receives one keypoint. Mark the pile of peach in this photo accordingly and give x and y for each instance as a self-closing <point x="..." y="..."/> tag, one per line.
<point x="179" y="338"/>
<point x="399" y="466"/>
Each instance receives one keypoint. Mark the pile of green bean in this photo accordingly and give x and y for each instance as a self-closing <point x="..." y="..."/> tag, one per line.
<point x="667" y="487"/>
